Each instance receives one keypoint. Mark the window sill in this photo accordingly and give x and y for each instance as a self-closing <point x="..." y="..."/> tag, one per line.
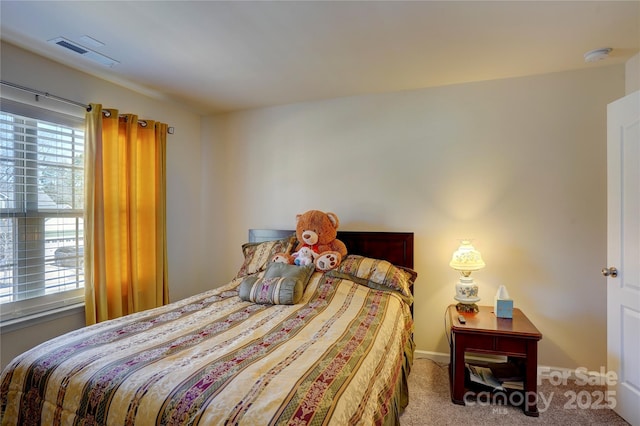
<point x="35" y="319"/>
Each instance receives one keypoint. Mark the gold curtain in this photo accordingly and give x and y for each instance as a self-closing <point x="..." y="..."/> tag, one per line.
<point x="125" y="219"/>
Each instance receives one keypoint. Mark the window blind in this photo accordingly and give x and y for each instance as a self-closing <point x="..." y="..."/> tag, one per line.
<point x="41" y="210"/>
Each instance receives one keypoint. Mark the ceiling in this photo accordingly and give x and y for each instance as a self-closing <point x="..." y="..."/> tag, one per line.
<point x="215" y="56"/>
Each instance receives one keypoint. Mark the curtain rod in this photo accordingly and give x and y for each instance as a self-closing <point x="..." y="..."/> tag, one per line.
<point x="45" y="94"/>
<point x="170" y="130"/>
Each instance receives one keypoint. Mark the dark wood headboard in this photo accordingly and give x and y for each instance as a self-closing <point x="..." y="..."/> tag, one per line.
<point x="395" y="247"/>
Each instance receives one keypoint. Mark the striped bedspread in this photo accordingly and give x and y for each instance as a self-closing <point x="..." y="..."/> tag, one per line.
<point x="339" y="357"/>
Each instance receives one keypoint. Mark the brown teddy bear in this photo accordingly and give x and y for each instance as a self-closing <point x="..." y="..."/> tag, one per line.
<point x="318" y="230"/>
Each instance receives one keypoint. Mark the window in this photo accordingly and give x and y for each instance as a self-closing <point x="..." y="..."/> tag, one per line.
<point x="41" y="210"/>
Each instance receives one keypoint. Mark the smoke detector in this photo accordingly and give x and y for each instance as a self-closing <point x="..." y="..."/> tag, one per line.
<point x="84" y="51"/>
<point x="597" y="54"/>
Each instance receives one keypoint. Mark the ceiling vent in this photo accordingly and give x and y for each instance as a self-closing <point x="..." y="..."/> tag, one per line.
<point x="81" y="50"/>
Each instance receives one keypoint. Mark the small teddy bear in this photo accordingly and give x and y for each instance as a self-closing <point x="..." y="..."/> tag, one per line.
<point x="317" y="231"/>
<point x="303" y="257"/>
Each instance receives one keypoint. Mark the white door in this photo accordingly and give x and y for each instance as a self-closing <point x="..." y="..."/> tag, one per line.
<point x="623" y="253"/>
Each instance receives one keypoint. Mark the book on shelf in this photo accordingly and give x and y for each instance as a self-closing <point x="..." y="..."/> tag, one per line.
<point x="516" y="385"/>
<point x="485" y="376"/>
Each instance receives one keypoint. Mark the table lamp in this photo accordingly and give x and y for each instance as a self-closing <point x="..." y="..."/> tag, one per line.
<point x="466" y="259"/>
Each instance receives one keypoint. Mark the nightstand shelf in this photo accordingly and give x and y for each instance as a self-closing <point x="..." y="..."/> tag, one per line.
<point x="517" y="338"/>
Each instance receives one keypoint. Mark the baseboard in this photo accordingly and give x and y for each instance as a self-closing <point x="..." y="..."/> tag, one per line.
<point x="433" y="356"/>
<point x="554" y="375"/>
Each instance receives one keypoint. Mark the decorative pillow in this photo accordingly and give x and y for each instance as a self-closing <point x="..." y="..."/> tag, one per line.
<point x="377" y="274"/>
<point x="282" y="284"/>
<point x="258" y="255"/>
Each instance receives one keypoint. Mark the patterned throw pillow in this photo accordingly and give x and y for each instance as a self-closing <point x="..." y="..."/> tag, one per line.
<point x="377" y="274"/>
<point x="258" y="255"/>
<point x="281" y="284"/>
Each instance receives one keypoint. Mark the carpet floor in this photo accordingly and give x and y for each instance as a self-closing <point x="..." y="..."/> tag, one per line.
<point x="567" y="405"/>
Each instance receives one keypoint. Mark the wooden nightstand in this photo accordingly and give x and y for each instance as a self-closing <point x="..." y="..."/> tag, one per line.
<point x="483" y="332"/>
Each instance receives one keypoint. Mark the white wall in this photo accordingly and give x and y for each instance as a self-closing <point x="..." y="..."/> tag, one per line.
<point x="518" y="165"/>
<point x="184" y="179"/>
<point x="632" y="74"/>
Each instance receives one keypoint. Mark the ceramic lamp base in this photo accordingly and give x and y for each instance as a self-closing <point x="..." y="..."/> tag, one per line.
<point x="467" y="295"/>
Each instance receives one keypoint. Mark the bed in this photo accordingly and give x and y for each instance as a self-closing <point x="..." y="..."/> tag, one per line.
<point x="331" y="348"/>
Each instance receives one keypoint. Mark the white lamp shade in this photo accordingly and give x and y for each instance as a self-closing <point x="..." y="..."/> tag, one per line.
<point x="466" y="258"/>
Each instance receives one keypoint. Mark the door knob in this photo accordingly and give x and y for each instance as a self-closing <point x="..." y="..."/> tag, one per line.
<point x="612" y="271"/>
